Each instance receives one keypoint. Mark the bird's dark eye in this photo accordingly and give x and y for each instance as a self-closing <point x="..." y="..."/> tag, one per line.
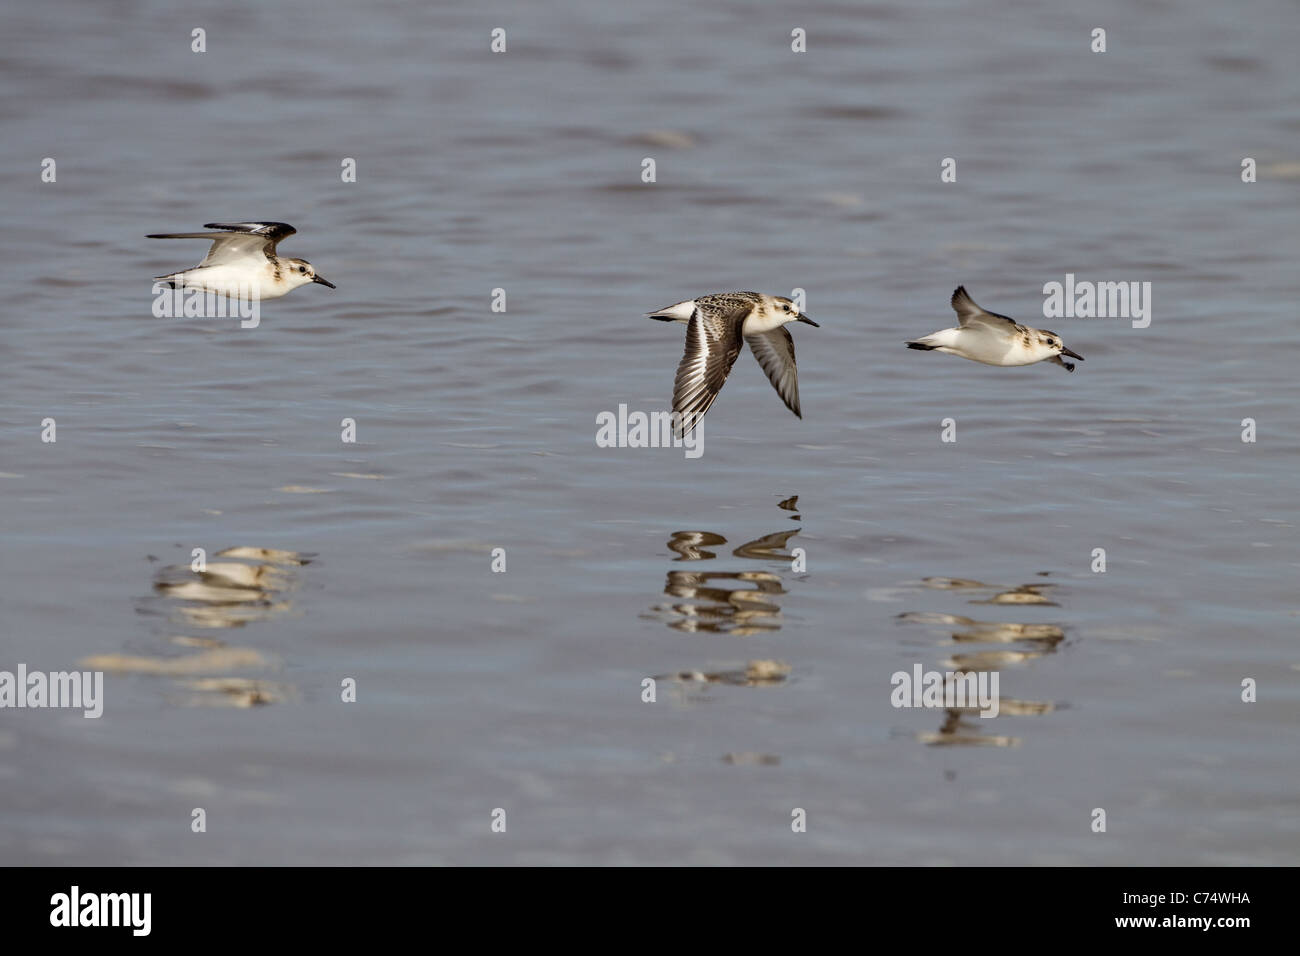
<point x="786" y="307"/>
<point x="302" y="268"/>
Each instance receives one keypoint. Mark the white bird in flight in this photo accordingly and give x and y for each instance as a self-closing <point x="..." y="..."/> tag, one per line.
<point x="242" y="261"/>
<point x="994" y="339"/>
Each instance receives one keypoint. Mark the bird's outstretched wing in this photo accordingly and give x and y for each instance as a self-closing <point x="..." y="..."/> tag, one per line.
<point x="235" y="240"/>
<point x="272" y="230"/>
<point x="712" y="344"/>
<point x="775" y="352"/>
<point x="968" y="313"/>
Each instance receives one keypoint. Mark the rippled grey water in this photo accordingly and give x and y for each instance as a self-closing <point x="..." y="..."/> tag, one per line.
<point x="476" y="430"/>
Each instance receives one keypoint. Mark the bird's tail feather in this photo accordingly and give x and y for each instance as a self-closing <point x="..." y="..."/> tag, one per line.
<point x="680" y="312"/>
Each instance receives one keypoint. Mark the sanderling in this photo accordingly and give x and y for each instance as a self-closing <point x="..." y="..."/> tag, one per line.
<point x="994" y="339"/>
<point x="242" y="261"/>
<point x="715" y="324"/>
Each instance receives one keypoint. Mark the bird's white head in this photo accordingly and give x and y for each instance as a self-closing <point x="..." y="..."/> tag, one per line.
<point x="774" y="311"/>
<point x="1050" y="345"/>
<point x="300" y="272"/>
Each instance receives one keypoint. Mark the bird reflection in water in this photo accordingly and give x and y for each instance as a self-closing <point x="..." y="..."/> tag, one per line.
<point x="248" y="585"/>
<point x="731" y="602"/>
<point x="1021" y="643"/>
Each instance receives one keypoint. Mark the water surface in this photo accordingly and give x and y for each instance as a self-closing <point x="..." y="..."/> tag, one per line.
<point x="523" y="690"/>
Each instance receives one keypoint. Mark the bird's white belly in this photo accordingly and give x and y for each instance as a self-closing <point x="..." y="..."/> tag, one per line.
<point x="979" y="346"/>
<point x="257" y="281"/>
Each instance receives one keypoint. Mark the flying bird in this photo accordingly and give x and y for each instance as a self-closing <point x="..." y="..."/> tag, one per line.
<point x="242" y="261"/>
<point x="715" y="326"/>
<point x="994" y="339"/>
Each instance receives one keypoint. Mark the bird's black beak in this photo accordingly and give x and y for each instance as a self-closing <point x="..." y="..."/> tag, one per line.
<point x="803" y="318"/>
<point x="1065" y="351"/>
<point x="333" y="286"/>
